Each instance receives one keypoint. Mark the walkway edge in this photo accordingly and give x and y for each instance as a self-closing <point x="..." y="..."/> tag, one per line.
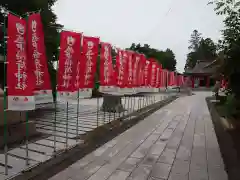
<point x="225" y="143"/>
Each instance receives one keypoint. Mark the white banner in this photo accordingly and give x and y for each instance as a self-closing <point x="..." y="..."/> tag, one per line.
<point x="113" y="90"/>
<point x="21" y="103"/>
<point x="43" y="96"/>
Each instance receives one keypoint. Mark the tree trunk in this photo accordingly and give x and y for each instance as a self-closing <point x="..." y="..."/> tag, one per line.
<point x="112" y="104"/>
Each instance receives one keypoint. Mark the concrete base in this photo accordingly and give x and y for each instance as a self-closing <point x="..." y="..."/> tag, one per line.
<point x="13" y="117"/>
<point x="16" y="126"/>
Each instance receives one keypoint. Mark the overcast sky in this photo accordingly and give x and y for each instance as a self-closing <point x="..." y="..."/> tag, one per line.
<point x="160" y="23"/>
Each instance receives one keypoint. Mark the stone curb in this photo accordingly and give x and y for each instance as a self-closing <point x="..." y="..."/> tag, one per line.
<point x="225" y="142"/>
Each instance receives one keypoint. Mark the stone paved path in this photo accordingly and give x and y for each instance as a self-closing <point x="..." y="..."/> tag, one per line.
<point x="177" y="142"/>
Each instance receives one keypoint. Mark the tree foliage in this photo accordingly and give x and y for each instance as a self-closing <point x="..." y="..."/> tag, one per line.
<point x="195" y="40"/>
<point x="230" y="44"/>
<point x="200" y="49"/>
<point x="166" y="58"/>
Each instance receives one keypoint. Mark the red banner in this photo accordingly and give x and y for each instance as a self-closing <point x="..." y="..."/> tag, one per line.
<point x="147" y="73"/>
<point x="37" y="55"/>
<point x="172" y="79"/>
<point x="70" y="44"/>
<point x="164" y="78"/>
<point x="141" y="70"/>
<point x="20" y="80"/>
<point x="136" y="69"/>
<point x="106" y="66"/>
<point x="158" y="77"/>
<point x="180" y="80"/>
<point x="121" y="64"/>
<point x="88" y="62"/>
<point x="129" y="68"/>
<point x="153" y="73"/>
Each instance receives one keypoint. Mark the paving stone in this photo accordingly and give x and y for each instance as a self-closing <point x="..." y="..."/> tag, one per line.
<point x="32" y="155"/>
<point x="129" y="164"/>
<point x="140" y="173"/>
<point x="113" y="151"/>
<point x="153" y="178"/>
<point x="178" y="177"/>
<point x="214" y="158"/>
<point x="2" y="177"/>
<point x="17" y="164"/>
<point x="84" y="161"/>
<point x="105" y="171"/>
<point x="217" y="173"/>
<point x="119" y="175"/>
<point x="198" y="160"/>
<point x="142" y="150"/>
<point x="180" y="167"/>
<point x="50" y="143"/>
<point x="150" y="160"/>
<point x="40" y="148"/>
<point x="71" y="142"/>
<point x="167" y="156"/>
<point x="157" y="148"/>
<point x="100" y="150"/>
<point x="161" y="170"/>
<point x="87" y="171"/>
<point x="199" y="174"/>
<point x="173" y="124"/>
<point x="174" y="142"/>
<point x="166" y="135"/>
<point x="61" y="134"/>
<point x="183" y="153"/>
<point x="65" y="174"/>
<point x="153" y="137"/>
<point x="199" y="140"/>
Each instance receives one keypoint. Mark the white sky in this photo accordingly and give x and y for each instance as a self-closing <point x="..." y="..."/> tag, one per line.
<point x="160" y="23"/>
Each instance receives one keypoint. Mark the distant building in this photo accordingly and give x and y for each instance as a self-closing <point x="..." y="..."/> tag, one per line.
<point x="202" y="74"/>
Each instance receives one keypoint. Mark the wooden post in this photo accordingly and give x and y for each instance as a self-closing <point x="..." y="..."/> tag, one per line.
<point x="193" y="81"/>
<point x="208" y="82"/>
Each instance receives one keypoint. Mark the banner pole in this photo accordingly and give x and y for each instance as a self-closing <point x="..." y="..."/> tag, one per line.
<point x="131" y="102"/>
<point x="27" y="123"/>
<point x="128" y="106"/>
<point x="27" y="134"/>
<point x="138" y="106"/>
<point x="109" y="116"/>
<point x="97" y="111"/>
<point x="104" y="111"/>
<point x="140" y="103"/>
<point x="5" y="96"/>
<point x="67" y="126"/>
<point x="55" y="102"/>
<point x="134" y="103"/>
<point x="77" y="111"/>
<point x="125" y="104"/>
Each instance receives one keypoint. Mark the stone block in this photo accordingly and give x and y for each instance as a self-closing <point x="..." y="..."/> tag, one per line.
<point x="161" y="171"/>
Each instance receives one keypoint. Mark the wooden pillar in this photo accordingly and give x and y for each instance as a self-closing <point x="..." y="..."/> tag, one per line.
<point x="193" y="81"/>
<point x="208" y="82"/>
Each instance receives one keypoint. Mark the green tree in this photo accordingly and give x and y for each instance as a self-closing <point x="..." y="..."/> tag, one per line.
<point x="195" y="40"/>
<point x="230" y="44"/>
<point x="201" y="49"/>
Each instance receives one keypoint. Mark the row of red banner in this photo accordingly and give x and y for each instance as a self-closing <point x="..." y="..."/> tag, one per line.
<point x="28" y="79"/>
